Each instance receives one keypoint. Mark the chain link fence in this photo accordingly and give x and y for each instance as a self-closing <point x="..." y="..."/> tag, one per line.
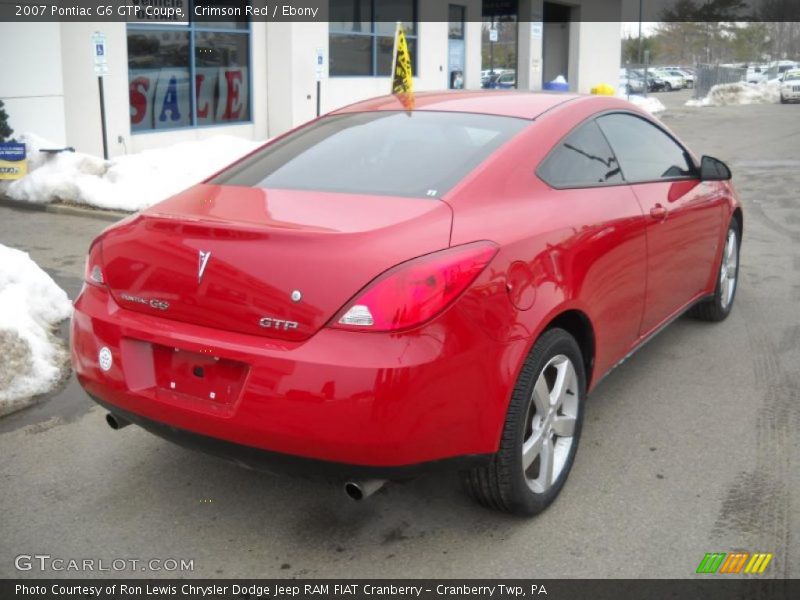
<point x="707" y="76"/>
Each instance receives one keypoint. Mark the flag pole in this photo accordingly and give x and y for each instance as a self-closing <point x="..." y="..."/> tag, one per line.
<point x="402" y="83"/>
<point x="394" y="54"/>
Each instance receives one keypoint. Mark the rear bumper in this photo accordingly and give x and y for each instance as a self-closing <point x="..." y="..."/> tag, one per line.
<point x="275" y="462"/>
<point x="355" y="404"/>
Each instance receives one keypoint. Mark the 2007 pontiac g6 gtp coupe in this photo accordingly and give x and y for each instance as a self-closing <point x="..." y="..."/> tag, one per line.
<point x="382" y="292"/>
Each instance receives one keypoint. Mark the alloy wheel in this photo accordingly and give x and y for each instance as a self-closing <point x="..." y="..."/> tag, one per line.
<point x="550" y="424"/>
<point x="728" y="269"/>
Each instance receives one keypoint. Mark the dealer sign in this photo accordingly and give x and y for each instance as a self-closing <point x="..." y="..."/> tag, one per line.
<point x="13" y="164"/>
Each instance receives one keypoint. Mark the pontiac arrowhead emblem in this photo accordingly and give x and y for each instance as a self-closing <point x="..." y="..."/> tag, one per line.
<point x="204" y="256"/>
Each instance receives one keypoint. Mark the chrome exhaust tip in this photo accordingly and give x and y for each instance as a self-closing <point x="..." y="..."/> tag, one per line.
<point x="360" y="490"/>
<point x="116" y="422"/>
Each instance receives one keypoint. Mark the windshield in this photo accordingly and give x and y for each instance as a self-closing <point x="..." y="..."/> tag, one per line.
<point x="417" y="154"/>
<point x="793" y="76"/>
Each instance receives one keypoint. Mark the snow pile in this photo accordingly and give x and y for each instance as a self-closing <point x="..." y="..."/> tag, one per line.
<point x="733" y="94"/>
<point x="649" y="103"/>
<point x="31" y="304"/>
<point x="131" y="182"/>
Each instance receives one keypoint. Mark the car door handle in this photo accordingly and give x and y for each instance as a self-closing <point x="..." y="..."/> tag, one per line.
<point x="658" y="212"/>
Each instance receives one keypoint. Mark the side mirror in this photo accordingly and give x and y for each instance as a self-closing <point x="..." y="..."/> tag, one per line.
<point x="713" y="169"/>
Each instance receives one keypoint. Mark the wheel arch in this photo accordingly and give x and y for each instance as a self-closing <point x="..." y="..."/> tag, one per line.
<point x="739" y="216"/>
<point x="579" y="326"/>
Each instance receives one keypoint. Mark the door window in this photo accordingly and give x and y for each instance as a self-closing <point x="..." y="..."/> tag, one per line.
<point x="645" y="152"/>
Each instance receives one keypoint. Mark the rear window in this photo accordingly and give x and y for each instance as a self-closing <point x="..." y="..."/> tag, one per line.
<point x="417" y="154"/>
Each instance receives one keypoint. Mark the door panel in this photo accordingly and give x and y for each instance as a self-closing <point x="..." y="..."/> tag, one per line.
<point x="683" y="215"/>
<point x="683" y="232"/>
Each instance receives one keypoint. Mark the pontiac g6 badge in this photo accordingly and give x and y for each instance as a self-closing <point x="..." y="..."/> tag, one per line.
<point x="151" y="302"/>
<point x="204" y="256"/>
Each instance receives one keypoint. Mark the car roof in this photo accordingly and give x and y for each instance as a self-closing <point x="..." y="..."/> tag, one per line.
<point x="523" y="105"/>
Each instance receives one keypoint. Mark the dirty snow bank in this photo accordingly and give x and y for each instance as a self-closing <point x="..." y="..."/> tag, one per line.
<point x="31" y="304"/>
<point x="131" y="182"/>
<point x="650" y="103"/>
<point x="734" y="94"/>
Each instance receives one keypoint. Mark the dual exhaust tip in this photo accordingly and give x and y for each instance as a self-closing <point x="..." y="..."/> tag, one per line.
<point x="357" y="489"/>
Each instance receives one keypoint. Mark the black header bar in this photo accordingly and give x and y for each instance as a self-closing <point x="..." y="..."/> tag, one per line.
<point x="181" y="11"/>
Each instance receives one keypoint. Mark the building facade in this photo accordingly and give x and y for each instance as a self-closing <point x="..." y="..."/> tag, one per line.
<point x="171" y="82"/>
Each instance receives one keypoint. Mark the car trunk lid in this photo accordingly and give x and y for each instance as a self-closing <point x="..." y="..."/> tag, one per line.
<point x="275" y="263"/>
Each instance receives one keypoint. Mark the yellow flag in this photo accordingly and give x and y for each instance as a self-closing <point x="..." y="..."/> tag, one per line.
<point x="402" y="81"/>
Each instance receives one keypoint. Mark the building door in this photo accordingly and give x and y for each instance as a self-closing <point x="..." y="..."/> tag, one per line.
<point x="456" y="55"/>
<point x="555" y="42"/>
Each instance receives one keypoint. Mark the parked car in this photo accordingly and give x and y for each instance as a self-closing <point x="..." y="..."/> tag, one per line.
<point x="756" y="74"/>
<point x="686" y="72"/>
<point x="631" y="82"/>
<point x="671" y="81"/>
<point x="507" y="80"/>
<point x="502" y="81"/>
<point x="688" y="77"/>
<point x="654" y="83"/>
<point x="488" y="73"/>
<point x="790" y="87"/>
<point x="777" y="70"/>
<point x="314" y="307"/>
<point x="485" y="74"/>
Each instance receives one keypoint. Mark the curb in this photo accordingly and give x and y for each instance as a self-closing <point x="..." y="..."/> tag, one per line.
<point x="64" y="209"/>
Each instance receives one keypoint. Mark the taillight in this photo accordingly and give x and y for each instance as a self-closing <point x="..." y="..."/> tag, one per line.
<point x="415" y="291"/>
<point x="93" y="274"/>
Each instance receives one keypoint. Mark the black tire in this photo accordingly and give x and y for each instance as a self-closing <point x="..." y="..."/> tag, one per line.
<point x="668" y="87"/>
<point x="784" y="100"/>
<point x="503" y="485"/>
<point x="714" y="309"/>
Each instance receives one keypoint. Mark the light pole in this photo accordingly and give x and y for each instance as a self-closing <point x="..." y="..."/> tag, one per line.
<point x="640" y="32"/>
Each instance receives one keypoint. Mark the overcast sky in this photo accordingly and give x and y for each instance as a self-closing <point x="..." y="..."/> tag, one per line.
<point x="632" y="28"/>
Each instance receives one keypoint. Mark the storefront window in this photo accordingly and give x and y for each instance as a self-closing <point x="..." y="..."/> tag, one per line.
<point x="163" y="60"/>
<point x="457" y="15"/>
<point x="362" y="35"/>
<point x="221" y="77"/>
<point x="385" y="49"/>
<point x="351" y="55"/>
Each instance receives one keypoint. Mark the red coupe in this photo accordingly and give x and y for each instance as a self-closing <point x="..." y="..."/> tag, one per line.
<point x="383" y="292"/>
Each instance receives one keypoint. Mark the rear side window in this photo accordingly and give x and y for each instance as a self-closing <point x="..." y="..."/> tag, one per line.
<point x="417" y="154"/>
<point x="582" y="159"/>
<point x="644" y="151"/>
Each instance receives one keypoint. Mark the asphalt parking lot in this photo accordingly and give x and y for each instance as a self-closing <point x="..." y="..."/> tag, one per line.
<point x="690" y="447"/>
